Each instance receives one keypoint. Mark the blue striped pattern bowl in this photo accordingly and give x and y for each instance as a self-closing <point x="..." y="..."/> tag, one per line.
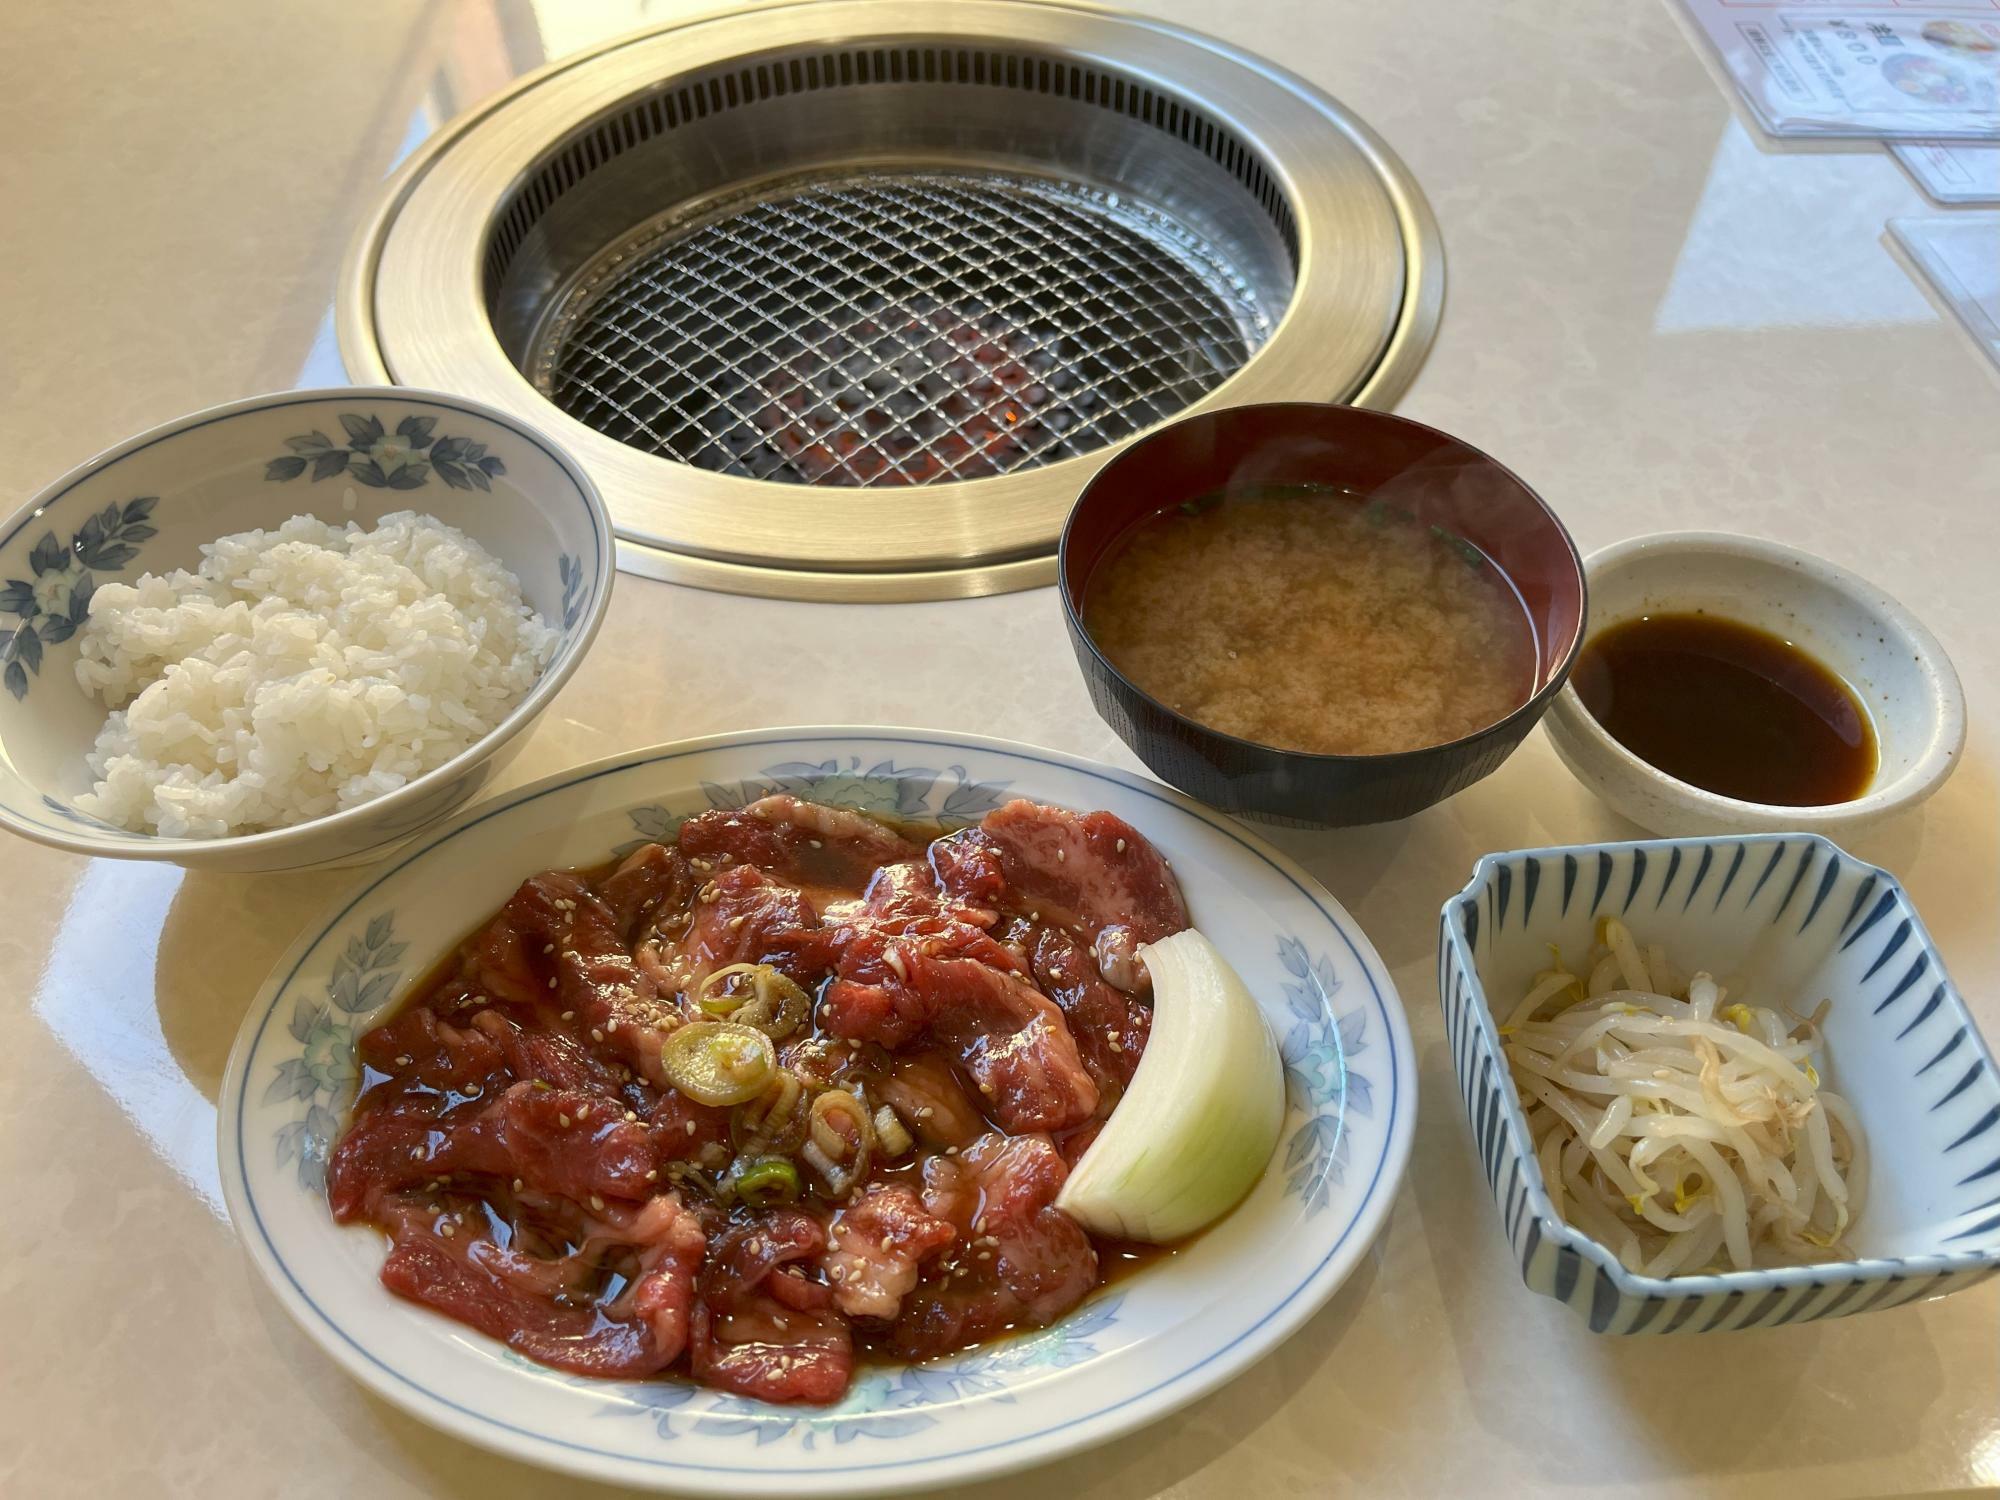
<point x="1788" y="916"/>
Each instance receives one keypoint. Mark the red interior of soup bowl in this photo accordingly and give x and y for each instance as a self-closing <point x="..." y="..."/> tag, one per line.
<point x="1421" y="471"/>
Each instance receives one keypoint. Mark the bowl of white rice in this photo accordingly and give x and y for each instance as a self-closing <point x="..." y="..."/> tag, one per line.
<point x="290" y="631"/>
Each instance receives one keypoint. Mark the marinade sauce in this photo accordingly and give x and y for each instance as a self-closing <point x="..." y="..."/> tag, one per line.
<point x="1728" y="708"/>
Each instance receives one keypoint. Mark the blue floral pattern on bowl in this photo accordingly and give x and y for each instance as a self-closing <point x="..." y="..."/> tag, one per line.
<point x="570" y="570"/>
<point x="53" y="604"/>
<point x="155" y="501"/>
<point x="405" y="460"/>
<point x="401" y="460"/>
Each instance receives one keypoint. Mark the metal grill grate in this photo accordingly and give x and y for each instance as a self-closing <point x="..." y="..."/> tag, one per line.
<point x="899" y="329"/>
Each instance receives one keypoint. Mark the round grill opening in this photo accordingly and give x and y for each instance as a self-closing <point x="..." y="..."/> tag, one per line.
<point x="847" y="299"/>
<point x="898" y="329"/>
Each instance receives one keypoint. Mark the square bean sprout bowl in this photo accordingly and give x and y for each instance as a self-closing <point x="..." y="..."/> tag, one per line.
<point x="1778" y="919"/>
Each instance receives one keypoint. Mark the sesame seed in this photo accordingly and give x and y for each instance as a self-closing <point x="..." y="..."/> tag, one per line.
<point x="563" y="1120"/>
<point x="690" y="1127"/>
<point x="1121" y="846"/>
<point x="610" y="1026"/>
<point x="814" y="842"/>
<point x="630" y="1115"/>
<point x="1115" y="1047"/>
<point x="403" y="1061"/>
<point x="979" y="1226"/>
<point x="583" y="1113"/>
<point x="552" y="981"/>
<point x="652" y="1174"/>
<point x="596" y="1034"/>
<point x="887" y="1244"/>
<point x="737" y="921"/>
<point x="548" y="947"/>
<point x="597" y="1203"/>
<point x="781" y="1322"/>
<point x="517" y="1184"/>
<point x="984" y="1255"/>
<point x="1061" y="855"/>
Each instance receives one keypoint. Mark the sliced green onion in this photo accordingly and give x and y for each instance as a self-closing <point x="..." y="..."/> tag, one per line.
<point x="719" y="1062"/>
<point x="840" y="1135"/>
<point x="840" y="1124"/>
<point x="773" y="1121"/>
<point x="768" y="999"/>
<point x="766" y="1181"/>
<point x="890" y="1132"/>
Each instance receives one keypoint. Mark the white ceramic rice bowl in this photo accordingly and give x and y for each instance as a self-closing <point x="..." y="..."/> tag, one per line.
<point x="342" y="455"/>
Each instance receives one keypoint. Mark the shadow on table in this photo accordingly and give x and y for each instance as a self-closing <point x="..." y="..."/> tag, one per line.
<point x="1575" y="1408"/>
<point x="219" y="942"/>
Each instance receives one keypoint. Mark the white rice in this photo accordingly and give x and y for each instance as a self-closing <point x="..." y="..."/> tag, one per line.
<point x="300" y="672"/>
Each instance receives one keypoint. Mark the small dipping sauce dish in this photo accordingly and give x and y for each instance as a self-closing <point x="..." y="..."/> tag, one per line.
<point x="1733" y="685"/>
<point x="1317" y="615"/>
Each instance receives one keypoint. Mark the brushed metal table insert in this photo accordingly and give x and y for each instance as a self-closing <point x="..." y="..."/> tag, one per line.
<point x="857" y="318"/>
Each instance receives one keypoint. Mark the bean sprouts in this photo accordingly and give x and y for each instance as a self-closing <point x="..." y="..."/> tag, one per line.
<point x="1684" y="1132"/>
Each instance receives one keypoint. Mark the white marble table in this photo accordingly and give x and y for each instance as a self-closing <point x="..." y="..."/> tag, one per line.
<point x="1656" y="321"/>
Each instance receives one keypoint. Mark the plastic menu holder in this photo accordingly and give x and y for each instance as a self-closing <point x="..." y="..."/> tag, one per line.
<point x="1959" y="254"/>
<point x="1952" y="171"/>
<point x="1871" y="68"/>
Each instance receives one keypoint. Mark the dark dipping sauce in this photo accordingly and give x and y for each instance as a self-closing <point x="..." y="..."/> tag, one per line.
<point x="1729" y="708"/>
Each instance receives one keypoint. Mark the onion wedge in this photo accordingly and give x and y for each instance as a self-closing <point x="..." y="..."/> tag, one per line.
<point x="1192" y="1134"/>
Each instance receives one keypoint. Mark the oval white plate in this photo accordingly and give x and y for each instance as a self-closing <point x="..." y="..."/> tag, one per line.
<point x="1129" y="1355"/>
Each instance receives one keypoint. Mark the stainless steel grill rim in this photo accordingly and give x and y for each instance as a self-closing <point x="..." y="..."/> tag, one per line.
<point x="450" y="276"/>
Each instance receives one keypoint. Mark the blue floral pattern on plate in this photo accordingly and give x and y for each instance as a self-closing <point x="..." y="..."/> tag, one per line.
<point x="1321" y="1084"/>
<point x="53" y="604"/>
<point x="950" y="796"/>
<point x="1330" y="1164"/>
<point x="324" y="1072"/>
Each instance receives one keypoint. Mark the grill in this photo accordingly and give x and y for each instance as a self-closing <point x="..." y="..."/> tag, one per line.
<point x="899" y="330"/>
<point x="857" y="319"/>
